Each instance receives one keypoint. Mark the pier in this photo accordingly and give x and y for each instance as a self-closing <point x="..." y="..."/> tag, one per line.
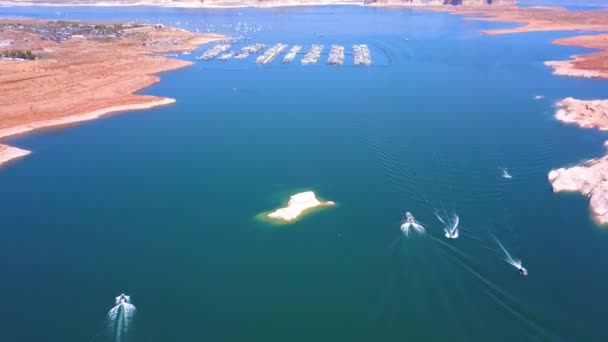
<point x="313" y="55"/>
<point x="336" y="55"/>
<point x="255" y="48"/>
<point x="248" y="50"/>
<point x="226" y="56"/>
<point x="214" y="52"/>
<point x="270" y="54"/>
<point x="291" y="55"/>
<point x="362" y="55"/>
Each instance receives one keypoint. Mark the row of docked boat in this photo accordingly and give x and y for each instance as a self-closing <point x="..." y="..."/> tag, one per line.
<point x="361" y="52"/>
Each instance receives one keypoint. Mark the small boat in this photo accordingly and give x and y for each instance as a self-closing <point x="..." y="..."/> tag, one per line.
<point x="409" y="218"/>
<point x="123" y="299"/>
<point x="523" y="271"/>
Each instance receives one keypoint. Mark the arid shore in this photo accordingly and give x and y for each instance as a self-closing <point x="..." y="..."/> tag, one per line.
<point x="82" y="71"/>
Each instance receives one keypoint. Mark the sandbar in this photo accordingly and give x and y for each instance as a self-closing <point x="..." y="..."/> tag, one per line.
<point x="8" y="153"/>
<point x="297" y="204"/>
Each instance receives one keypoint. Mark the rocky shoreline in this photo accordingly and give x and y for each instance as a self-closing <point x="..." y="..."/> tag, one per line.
<point x="590" y="178"/>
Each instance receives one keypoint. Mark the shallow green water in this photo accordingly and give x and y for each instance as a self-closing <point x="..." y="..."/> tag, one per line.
<point x="162" y="204"/>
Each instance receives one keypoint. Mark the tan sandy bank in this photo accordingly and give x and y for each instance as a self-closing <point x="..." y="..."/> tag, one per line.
<point x="8" y="153"/>
<point x="93" y="71"/>
<point x="297" y="204"/>
<point x="72" y="119"/>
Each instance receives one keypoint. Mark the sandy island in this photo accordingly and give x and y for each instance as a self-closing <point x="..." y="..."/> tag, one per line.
<point x="297" y="204"/>
<point x="83" y="71"/>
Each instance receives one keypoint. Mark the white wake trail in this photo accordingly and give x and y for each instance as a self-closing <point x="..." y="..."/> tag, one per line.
<point x="509" y="258"/>
<point x="120" y="318"/>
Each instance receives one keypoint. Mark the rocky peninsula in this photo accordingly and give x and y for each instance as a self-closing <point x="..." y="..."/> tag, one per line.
<point x="297" y="204"/>
<point x="591" y="177"/>
<point x="584" y="113"/>
<point x="59" y="72"/>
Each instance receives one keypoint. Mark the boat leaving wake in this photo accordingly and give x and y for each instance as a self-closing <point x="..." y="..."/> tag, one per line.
<point x="411" y="223"/>
<point x="514" y="262"/>
<point x="505" y="173"/>
<point x="451" y="225"/>
<point x="120" y="317"/>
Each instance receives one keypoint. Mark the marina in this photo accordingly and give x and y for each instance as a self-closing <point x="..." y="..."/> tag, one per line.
<point x="362" y="55"/>
<point x="336" y="55"/>
<point x="271" y="54"/>
<point x="291" y="55"/>
<point x="214" y="52"/>
<point x="313" y="55"/>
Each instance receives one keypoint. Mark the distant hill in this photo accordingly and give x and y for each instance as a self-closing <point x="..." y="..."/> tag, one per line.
<point x="263" y="3"/>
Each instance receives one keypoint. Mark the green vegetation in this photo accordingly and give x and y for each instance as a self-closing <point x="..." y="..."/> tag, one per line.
<point x="18" y="54"/>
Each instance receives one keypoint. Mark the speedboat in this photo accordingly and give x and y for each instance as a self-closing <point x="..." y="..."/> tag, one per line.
<point x="123" y="299"/>
<point x="409" y="218"/>
<point x="522" y="271"/>
<point x="410" y="222"/>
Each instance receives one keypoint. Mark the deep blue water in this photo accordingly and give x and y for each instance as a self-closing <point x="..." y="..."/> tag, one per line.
<point x="163" y="204"/>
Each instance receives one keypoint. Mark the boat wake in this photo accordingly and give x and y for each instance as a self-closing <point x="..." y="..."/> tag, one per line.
<point x="411" y="223"/>
<point x="120" y="318"/>
<point x="451" y="225"/>
<point x="509" y="259"/>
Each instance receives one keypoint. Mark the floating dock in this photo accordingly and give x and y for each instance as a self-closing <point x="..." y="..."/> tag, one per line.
<point x="291" y="55"/>
<point x="362" y="55"/>
<point x="313" y="55"/>
<point x="226" y="56"/>
<point x="214" y="52"/>
<point x="255" y="48"/>
<point x="248" y="50"/>
<point x="336" y="55"/>
<point x="271" y="54"/>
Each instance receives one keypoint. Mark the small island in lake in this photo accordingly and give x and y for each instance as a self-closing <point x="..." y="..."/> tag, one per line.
<point x="296" y="205"/>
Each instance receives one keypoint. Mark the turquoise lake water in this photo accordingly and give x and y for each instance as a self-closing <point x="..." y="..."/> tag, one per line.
<point x="162" y="204"/>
